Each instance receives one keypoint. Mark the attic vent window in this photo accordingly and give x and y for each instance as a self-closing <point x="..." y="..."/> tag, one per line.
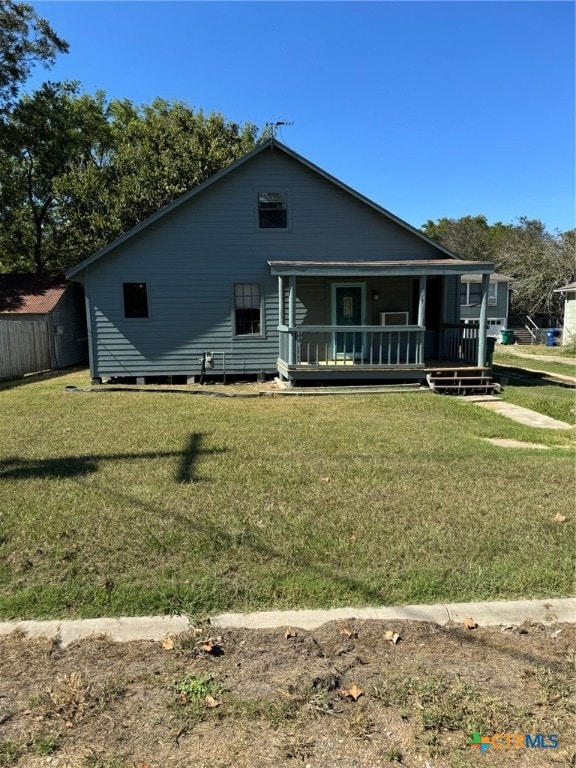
<point x="135" y="300"/>
<point x="272" y="210"/>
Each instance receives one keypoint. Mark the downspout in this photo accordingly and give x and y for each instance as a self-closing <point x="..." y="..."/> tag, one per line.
<point x="483" y="322"/>
<point x="443" y="315"/>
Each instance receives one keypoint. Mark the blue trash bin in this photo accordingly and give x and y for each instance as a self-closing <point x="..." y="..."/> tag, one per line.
<point x="551" y="335"/>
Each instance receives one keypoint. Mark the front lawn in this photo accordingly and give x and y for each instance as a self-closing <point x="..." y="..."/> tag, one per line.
<point x="503" y="356"/>
<point x="139" y="502"/>
<point x="554" y="401"/>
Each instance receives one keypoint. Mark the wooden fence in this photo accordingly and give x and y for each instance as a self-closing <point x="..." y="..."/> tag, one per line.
<point x="24" y="348"/>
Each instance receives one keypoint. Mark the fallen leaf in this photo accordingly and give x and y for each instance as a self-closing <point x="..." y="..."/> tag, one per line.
<point x="69" y="724"/>
<point x="290" y="633"/>
<point x="212" y="647"/>
<point x="211" y="702"/>
<point x="354" y="692"/>
<point x="348" y="632"/>
<point x="182" y="698"/>
<point x="352" y="537"/>
<point x="469" y="623"/>
<point x="392" y="636"/>
<point x="325" y="479"/>
<point x="168" y="644"/>
<point x="559" y="518"/>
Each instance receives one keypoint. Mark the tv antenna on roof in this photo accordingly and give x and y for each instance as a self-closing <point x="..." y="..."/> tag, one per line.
<point x="275" y="126"/>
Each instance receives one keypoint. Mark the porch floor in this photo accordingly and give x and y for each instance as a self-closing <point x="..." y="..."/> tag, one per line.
<point x="350" y="369"/>
<point x="452" y="365"/>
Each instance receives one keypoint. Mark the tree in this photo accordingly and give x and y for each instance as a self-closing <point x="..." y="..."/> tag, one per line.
<point x="166" y="148"/>
<point x="469" y="237"/>
<point x="540" y="261"/>
<point x="25" y="40"/>
<point x="76" y="171"/>
<point x="46" y="136"/>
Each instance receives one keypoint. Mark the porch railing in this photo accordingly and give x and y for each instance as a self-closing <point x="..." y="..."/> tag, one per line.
<point x="365" y="345"/>
<point x="460" y="342"/>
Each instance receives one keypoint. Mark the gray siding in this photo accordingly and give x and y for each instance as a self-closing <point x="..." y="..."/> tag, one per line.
<point x="191" y="258"/>
<point x="499" y="310"/>
<point x="71" y="345"/>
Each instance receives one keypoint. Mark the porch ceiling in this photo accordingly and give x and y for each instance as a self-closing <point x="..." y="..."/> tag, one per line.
<point x="374" y="268"/>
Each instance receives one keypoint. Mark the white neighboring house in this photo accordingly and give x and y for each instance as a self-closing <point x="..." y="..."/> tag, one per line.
<point x="498" y="301"/>
<point x="569" y="327"/>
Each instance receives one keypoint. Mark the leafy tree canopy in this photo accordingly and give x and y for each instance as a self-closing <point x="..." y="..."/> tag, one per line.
<point x="26" y="39"/>
<point x="76" y="170"/>
<point x="538" y="260"/>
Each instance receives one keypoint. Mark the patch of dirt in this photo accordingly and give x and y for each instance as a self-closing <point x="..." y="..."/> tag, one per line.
<point x="343" y="696"/>
<point x="505" y="442"/>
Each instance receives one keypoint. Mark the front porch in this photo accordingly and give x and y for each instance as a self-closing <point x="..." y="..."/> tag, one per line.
<point x="328" y="319"/>
<point x="373" y="351"/>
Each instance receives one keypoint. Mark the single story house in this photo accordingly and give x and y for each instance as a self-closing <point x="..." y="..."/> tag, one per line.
<point x="569" y="325"/>
<point x="498" y="301"/>
<point x="42" y="324"/>
<point x="274" y="266"/>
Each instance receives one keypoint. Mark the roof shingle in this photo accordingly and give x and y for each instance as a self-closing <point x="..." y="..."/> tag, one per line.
<point x="30" y="294"/>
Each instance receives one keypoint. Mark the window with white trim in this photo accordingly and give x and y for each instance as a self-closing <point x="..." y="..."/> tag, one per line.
<point x="492" y="294"/>
<point x="272" y="210"/>
<point x="471" y="294"/>
<point x="247" y="309"/>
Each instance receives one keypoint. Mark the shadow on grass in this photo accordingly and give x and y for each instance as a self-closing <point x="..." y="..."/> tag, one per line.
<point x="34" y="378"/>
<point x="225" y="539"/>
<point x="17" y="468"/>
<point x="522" y="377"/>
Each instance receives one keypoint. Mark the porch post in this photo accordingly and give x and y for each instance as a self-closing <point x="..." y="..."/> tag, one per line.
<point x="280" y="300"/>
<point x="422" y="317"/>
<point x="292" y="319"/>
<point x="483" y="322"/>
<point x="443" y="316"/>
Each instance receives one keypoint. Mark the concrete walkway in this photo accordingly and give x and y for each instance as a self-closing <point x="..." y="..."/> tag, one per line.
<point x="126" y="629"/>
<point x="517" y="413"/>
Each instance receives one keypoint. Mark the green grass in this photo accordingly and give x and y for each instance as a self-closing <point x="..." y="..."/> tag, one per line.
<point x="557" y="402"/>
<point x="137" y="502"/>
<point x="503" y="357"/>
<point x="541" y="349"/>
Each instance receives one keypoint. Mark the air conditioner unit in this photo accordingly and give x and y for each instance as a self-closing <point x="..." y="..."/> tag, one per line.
<point x="491" y="301"/>
<point x="393" y="318"/>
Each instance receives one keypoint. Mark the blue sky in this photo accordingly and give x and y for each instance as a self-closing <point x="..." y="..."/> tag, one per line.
<point x="429" y="108"/>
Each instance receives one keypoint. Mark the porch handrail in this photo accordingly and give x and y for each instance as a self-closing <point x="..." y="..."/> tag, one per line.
<point x="348" y="328"/>
<point x="533" y="333"/>
<point x="460" y="341"/>
<point x="368" y="345"/>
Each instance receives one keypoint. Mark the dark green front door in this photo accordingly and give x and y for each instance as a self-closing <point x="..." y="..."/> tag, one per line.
<point x="348" y="310"/>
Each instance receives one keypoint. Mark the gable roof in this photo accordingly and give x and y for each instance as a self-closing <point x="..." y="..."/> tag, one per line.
<point x="22" y="294"/>
<point x="268" y="145"/>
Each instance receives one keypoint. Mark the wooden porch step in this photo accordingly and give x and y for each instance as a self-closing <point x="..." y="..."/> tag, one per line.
<point x="468" y="382"/>
<point x="466" y="386"/>
<point x="481" y="377"/>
